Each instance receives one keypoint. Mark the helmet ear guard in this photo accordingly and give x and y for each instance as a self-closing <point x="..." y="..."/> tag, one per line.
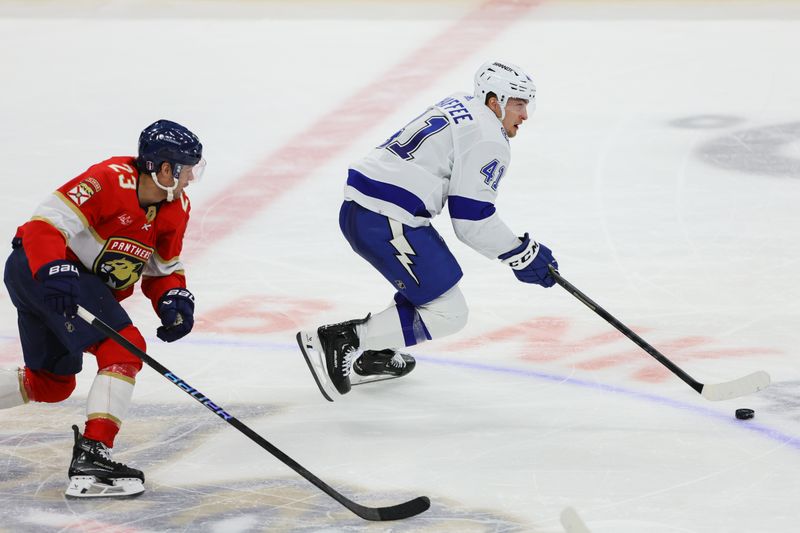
<point x="505" y="81"/>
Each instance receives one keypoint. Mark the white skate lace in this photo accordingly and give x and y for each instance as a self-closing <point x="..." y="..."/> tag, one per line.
<point x="105" y="453"/>
<point x="397" y="360"/>
<point x="99" y="449"/>
<point x="349" y="358"/>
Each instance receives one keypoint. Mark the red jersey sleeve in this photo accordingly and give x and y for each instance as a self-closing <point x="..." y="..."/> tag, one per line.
<point x="42" y="242"/>
<point x="72" y="208"/>
<point x="165" y="269"/>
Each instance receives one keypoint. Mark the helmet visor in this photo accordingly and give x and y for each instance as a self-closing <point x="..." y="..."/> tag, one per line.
<point x="197" y="171"/>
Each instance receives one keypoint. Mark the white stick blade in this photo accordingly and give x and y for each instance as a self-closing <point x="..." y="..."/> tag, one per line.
<point x="738" y="387"/>
<point x="572" y="523"/>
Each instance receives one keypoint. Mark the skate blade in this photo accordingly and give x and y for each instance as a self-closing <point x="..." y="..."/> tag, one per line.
<point x="316" y="364"/>
<point x="91" y="487"/>
<point x="358" y="379"/>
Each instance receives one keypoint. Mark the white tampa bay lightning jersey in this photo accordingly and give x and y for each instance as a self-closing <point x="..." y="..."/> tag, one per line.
<point x="456" y="153"/>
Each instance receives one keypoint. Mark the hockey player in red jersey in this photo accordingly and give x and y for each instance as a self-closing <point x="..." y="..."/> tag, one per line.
<point x="88" y="244"/>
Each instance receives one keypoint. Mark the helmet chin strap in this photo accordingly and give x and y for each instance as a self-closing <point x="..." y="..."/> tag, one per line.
<point x="503" y="105"/>
<point x="169" y="190"/>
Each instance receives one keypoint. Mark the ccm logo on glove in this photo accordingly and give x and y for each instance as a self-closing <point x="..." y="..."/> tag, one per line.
<point x="521" y="261"/>
<point x="530" y="262"/>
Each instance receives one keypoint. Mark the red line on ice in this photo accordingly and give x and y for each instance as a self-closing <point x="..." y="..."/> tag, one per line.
<point x="322" y="140"/>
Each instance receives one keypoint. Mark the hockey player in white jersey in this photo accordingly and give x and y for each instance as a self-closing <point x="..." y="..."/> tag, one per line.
<point x="455" y="153"/>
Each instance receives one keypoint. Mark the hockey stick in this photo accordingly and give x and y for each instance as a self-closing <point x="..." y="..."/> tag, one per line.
<point x="716" y="391"/>
<point x="394" y="512"/>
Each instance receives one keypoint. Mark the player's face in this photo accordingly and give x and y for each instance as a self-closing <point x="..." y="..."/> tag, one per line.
<point x="185" y="177"/>
<point x="188" y="174"/>
<point x="165" y="178"/>
<point x="516" y="114"/>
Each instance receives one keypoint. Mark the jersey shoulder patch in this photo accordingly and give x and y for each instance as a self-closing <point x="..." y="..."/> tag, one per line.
<point x="82" y="192"/>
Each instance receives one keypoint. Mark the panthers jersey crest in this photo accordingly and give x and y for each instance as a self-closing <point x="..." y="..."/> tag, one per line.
<point x="121" y="262"/>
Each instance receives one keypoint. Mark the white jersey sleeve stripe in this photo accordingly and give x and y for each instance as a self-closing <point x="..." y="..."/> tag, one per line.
<point x="156" y="266"/>
<point x="62" y="214"/>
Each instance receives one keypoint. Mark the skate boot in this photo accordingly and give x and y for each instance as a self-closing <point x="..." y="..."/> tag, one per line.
<point x="92" y="473"/>
<point x="329" y="353"/>
<point x="381" y="365"/>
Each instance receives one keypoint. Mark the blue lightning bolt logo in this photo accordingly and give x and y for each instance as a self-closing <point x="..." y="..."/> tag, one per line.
<point x="403" y="248"/>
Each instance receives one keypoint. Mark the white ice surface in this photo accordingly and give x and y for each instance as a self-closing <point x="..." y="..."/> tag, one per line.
<point x="662" y="166"/>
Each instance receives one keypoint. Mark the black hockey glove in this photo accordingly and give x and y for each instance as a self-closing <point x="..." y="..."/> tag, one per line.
<point x="61" y="287"/>
<point x="530" y="262"/>
<point x="176" y="310"/>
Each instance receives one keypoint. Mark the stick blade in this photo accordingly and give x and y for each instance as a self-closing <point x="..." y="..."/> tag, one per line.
<point x="395" y="512"/>
<point x="738" y="387"/>
<point x="571" y="521"/>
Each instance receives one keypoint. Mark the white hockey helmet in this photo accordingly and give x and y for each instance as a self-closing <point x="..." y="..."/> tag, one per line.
<point x="505" y="80"/>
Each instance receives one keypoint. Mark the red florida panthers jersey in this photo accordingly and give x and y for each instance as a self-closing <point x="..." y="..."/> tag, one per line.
<point x="96" y="219"/>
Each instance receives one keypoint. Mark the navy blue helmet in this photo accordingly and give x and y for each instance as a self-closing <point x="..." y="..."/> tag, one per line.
<point x="168" y="141"/>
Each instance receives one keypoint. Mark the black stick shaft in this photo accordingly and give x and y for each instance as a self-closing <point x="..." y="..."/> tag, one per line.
<point x="396" y="512"/>
<point x="625" y="330"/>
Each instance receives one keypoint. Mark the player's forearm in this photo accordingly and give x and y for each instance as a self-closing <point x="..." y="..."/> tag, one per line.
<point x="155" y="286"/>
<point x="489" y="237"/>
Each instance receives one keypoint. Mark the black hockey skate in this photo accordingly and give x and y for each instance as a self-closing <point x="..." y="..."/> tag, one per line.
<point x="329" y="353"/>
<point x="381" y="365"/>
<point x="92" y="473"/>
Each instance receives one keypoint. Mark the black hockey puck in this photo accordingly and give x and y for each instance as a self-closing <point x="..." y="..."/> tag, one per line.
<point x="744" y="414"/>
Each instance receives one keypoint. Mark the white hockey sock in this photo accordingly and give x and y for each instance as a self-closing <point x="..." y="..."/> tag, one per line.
<point x="443" y="316"/>
<point x="12" y="392"/>
<point x="382" y="330"/>
<point x="110" y="396"/>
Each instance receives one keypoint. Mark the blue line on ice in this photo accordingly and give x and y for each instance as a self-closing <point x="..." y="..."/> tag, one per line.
<point x="728" y="418"/>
